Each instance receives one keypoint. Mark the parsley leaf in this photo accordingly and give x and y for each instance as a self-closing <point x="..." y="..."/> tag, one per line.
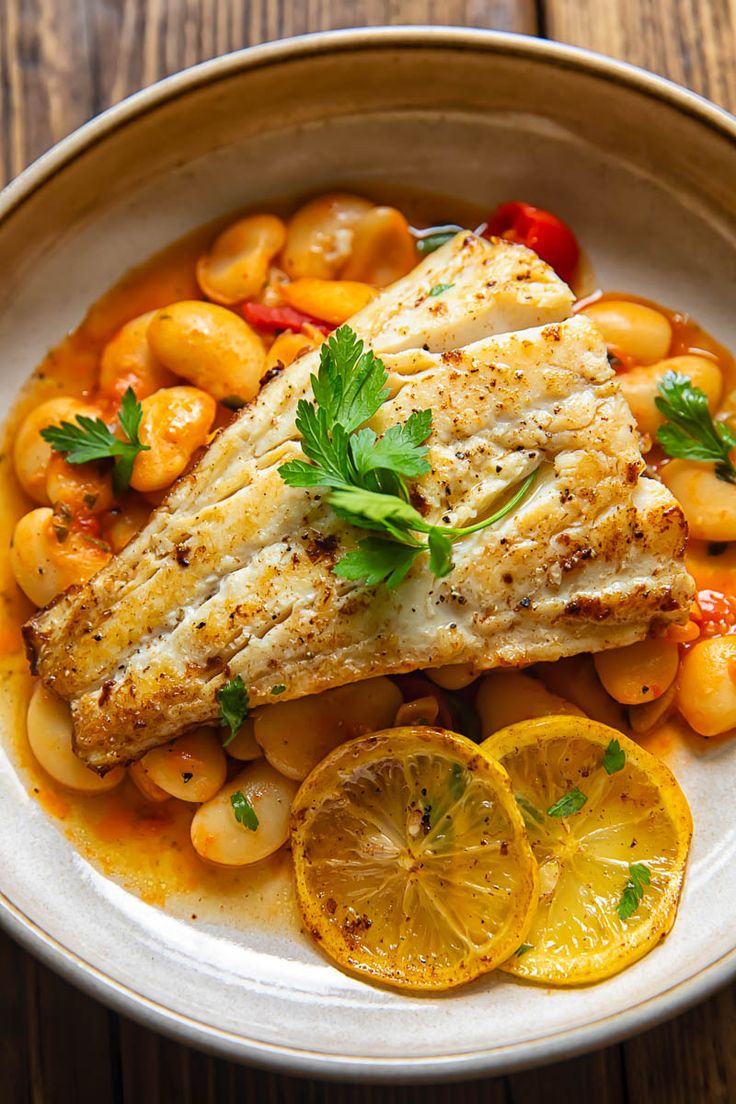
<point x="366" y="475"/>
<point x="614" y="758"/>
<point x="351" y="384"/>
<point x="279" y="688"/>
<point x="639" y="878"/>
<point x="372" y="510"/>
<point x="440" y="552"/>
<point x="522" y="949"/>
<point x="439" y="288"/>
<point x="400" y="450"/>
<point x="244" y="812"/>
<point x="690" y="433"/>
<point x="90" y="439"/>
<point x="233" y="701"/>
<point x="437" y="236"/>
<point x="378" y="560"/>
<point x="569" y="804"/>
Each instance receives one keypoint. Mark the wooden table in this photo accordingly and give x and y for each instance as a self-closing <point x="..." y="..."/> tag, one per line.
<point x="62" y="61"/>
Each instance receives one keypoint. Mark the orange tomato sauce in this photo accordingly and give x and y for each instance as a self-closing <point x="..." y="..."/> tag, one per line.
<point x="144" y="847"/>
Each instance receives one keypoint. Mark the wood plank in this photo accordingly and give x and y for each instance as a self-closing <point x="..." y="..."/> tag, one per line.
<point x="69" y="1042"/>
<point x="692" y="42"/>
<point x="598" y="1077"/>
<point x="14" y="1022"/>
<point x="687" y="1060"/>
<point x="63" y="61"/>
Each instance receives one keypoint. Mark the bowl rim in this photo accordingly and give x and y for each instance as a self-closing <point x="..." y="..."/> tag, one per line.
<point x="121" y="997"/>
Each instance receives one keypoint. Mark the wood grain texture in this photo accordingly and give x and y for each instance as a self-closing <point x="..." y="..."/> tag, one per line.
<point x="692" y="42"/>
<point x="62" y="61"/>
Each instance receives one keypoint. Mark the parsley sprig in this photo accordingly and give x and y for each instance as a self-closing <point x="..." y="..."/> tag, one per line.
<point x="90" y="439"/>
<point x="690" y="432"/>
<point x="367" y="476"/>
<point x="232" y="699"/>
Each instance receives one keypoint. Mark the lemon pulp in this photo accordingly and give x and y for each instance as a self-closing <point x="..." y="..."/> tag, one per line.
<point x="632" y="818"/>
<point x="412" y="862"/>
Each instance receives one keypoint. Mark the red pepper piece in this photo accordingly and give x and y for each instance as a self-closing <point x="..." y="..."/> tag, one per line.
<point x="540" y="230"/>
<point x="274" y="319"/>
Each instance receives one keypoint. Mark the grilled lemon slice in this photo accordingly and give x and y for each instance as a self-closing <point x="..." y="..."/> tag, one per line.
<point x="610" y="829"/>
<point x="412" y="863"/>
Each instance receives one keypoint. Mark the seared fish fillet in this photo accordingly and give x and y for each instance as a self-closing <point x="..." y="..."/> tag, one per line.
<point x="233" y="573"/>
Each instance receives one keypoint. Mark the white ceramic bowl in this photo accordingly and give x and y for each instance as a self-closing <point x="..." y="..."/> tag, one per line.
<point x="644" y="171"/>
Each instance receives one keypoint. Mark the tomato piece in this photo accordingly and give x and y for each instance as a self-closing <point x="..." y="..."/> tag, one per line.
<point x="715" y="613"/>
<point x="275" y="319"/>
<point x="540" y="230"/>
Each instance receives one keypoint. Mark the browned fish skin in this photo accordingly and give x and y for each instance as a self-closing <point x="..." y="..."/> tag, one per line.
<point x="592" y="559"/>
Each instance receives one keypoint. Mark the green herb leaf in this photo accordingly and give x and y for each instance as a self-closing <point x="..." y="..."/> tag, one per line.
<point x="90" y="439"/>
<point x="440" y="552"/>
<point x="690" y="433"/>
<point x="614" y="758"/>
<point x="522" y="949"/>
<point x="571" y="803"/>
<point x="377" y="560"/>
<point x="439" y="288"/>
<point x="400" y="450"/>
<point x="279" y="688"/>
<point x="639" y="878"/>
<point x="245" y="814"/>
<point x="325" y="446"/>
<point x="233" y="701"/>
<point x="372" y="510"/>
<point x="366" y="475"/>
<point x="429" y="242"/>
<point x="351" y="384"/>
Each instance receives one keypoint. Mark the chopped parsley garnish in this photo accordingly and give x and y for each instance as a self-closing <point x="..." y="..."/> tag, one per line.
<point x="614" y="758"/>
<point x="522" y="949"/>
<point x="439" y="288"/>
<point x="569" y="804"/>
<point x="279" y="688"/>
<point x="244" y="812"/>
<point x="690" y="432"/>
<point x="430" y="240"/>
<point x="639" y="878"/>
<point x="233" y="701"/>
<point x="90" y="439"/>
<point x="366" y="476"/>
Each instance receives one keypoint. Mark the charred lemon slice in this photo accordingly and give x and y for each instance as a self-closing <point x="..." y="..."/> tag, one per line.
<point x="610" y="829"/>
<point x="412" y="863"/>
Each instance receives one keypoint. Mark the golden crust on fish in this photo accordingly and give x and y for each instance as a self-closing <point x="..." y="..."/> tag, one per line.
<point x="233" y="573"/>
